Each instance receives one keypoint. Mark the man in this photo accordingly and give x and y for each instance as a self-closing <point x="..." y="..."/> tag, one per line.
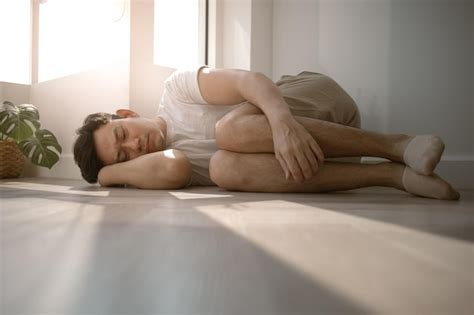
<point x="240" y="131"/>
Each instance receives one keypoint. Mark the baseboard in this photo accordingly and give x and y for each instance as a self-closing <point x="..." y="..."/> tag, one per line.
<point x="66" y="168"/>
<point x="458" y="170"/>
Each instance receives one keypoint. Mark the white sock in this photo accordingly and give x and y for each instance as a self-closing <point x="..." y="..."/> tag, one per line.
<point x="423" y="153"/>
<point x="431" y="186"/>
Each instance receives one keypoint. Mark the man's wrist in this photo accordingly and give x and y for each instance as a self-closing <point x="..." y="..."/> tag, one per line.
<point x="281" y="115"/>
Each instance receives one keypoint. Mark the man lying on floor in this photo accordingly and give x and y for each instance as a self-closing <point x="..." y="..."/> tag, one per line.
<point x="240" y="131"/>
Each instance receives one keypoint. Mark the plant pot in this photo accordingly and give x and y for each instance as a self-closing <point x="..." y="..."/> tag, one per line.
<point x="12" y="160"/>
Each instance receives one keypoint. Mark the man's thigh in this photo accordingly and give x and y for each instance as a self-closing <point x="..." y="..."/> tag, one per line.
<point x="255" y="172"/>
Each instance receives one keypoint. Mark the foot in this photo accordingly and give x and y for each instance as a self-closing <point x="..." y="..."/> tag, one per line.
<point x="431" y="186"/>
<point x="422" y="153"/>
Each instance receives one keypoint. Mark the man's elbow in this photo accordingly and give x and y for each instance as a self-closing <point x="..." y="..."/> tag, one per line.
<point x="104" y="177"/>
<point x="250" y="80"/>
<point x="178" y="169"/>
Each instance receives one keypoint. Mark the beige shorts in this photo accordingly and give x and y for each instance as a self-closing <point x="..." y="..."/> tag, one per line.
<point x="315" y="95"/>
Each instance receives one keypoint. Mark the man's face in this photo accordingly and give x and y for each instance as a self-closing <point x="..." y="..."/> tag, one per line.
<point x="127" y="138"/>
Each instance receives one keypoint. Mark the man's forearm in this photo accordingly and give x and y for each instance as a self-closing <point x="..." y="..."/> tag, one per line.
<point x="168" y="169"/>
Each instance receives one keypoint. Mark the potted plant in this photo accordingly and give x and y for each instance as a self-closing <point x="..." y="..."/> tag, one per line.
<point x="21" y="137"/>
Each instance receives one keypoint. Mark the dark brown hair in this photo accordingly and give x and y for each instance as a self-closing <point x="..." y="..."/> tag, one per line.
<point x="85" y="154"/>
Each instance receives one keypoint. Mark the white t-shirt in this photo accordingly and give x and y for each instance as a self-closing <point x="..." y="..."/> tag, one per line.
<point x="191" y="122"/>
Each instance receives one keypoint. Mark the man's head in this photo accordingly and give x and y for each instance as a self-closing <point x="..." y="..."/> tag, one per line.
<point x="106" y="139"/>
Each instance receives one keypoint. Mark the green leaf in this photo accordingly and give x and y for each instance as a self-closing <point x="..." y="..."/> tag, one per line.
<point x="18" y="122"/>
<point x="39" y="148"/>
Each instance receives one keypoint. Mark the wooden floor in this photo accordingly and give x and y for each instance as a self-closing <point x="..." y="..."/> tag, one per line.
<point x="70" y="248"/>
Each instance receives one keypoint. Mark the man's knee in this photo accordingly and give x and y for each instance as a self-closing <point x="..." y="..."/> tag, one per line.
<point x="231" y="131"/>
<point x="225" y="130"/>
<point x="233" y="127"/>
<point x="223" y="169"/>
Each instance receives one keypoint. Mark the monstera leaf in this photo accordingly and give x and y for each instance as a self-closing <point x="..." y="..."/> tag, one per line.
<point x="39" y="148"/>
<point x="21" y="124"/>
<point x="18" y="122"/>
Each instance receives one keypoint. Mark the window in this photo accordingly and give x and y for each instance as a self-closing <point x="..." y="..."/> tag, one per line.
<point x="15" y="38"/>
<point x="75" y="36"/>
<point x="180" y="33"/>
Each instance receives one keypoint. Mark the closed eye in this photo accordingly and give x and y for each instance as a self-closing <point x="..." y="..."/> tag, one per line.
<point x="120" y="136"/>
<point x="121" y="133"/>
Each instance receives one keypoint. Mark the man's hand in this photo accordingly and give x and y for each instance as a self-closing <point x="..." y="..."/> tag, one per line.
<point x="298" y="153"/>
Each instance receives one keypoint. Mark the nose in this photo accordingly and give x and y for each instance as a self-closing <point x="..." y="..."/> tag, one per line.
<point x="132" y="144"/>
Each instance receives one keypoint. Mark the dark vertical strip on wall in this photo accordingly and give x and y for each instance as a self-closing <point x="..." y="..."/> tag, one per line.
<point x="206" y="45"/>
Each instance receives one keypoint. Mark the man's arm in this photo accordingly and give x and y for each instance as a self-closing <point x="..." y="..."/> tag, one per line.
<point x="169" y="169"/>
<point x="295" y="149"/>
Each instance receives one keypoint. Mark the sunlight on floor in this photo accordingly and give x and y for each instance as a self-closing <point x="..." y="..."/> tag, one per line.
<point x="325" y="268"/>
<point x="186" y="195"/>
<point x="54" y="189"/>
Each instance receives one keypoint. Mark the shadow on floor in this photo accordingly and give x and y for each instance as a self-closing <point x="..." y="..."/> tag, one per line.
<point x="122" y="256"/>
<point x="110" y="251"/>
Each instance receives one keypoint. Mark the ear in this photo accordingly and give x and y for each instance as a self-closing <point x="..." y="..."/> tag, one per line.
<point x="124" y="113"/>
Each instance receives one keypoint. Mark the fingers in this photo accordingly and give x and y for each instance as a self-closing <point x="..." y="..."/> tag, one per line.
<point x="304" y="165"/>
<point x="301" y="164"/>
<point x="290" y="167"/>
<point x="283" y="166"/>
<point x="307" y="163"/>
<point x="318" y="152"/>
<point x="313" y="162"/>
<point x="294" y="168"/>
<point x="298" y="168"/>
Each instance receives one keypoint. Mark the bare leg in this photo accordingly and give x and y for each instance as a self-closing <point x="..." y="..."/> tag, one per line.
<point x="246" y="130"/>
<point x="261" y="172"/>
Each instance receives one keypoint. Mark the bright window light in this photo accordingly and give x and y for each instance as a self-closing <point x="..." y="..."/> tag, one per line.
<point x="76" y="36"/>
<point x="179" y="38"/>
<point x="15" y="36"/>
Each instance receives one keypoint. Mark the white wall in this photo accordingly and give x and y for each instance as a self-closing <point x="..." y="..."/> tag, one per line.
<point x="15" y="93"/>
<point x="261" y="46"/>
<point x="346" y="40"/>
<point x="235" y="35"/>
<point x="295" y="36"/>
<point x="64" y="102"/>
<point x="408" y="64"/>
<point x="429" y="77"/>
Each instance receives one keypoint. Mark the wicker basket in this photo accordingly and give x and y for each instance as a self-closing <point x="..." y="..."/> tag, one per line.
<point x="11" y="159"/>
